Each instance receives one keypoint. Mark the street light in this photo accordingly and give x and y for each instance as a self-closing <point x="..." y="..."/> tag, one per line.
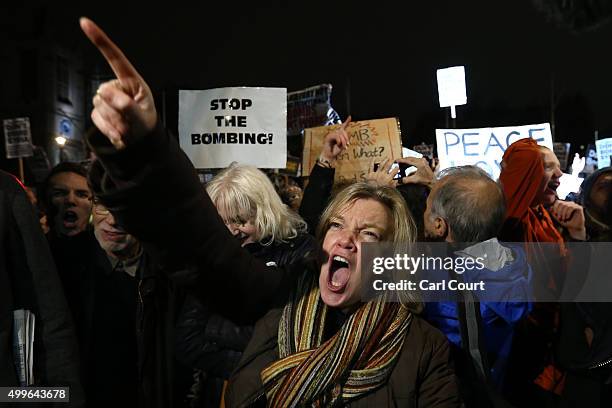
<point x="61" y="142"/>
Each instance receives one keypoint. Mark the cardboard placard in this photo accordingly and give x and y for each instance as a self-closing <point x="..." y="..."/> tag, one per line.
<point x="371" y="141"/>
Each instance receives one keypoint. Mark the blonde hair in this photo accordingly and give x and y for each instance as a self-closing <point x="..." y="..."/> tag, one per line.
<point x="403" y="228"/>
<point x="245" y="193"/>
<point x="402" y="232"/>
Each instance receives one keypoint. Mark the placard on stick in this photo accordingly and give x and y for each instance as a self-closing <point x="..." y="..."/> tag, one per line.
<point x="371" y="141"/>
<point x="451" y="87"/>
<point x="17" y="138"/>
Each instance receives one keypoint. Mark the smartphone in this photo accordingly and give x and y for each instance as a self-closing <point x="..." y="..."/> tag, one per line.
<point x="405" y="169"/>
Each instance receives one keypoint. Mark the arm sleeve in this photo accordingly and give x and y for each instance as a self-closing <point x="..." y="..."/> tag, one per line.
<point x="209" y="342"/>
<point x="439" y="385"/>
<point x="316" y="196"/>
<point x="153" y="190"/>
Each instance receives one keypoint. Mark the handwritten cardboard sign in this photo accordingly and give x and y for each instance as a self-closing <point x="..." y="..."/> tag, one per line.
<point x="371" y="141"/>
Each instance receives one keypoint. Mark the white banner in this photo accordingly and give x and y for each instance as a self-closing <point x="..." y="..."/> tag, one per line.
<point x="485" y="147"/>
<point x="223" y="125"/>
<point x="604" y="151"/>
<point x="17" y="138"/>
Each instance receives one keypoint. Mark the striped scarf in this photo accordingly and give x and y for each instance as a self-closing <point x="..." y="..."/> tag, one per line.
<point x="357" y="359"/>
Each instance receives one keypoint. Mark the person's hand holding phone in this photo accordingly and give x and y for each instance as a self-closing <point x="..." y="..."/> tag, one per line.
<point x="422" y="175"/>
<point x="384" y="174"/>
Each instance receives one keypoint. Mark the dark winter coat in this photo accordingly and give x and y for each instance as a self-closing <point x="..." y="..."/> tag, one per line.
<point x="29" y="280"/>
<point x="213" y="344"/>
<point x="154" y="177"/>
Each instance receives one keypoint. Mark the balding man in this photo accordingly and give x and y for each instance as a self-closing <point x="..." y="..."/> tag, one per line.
<point x="467" y="208"/>
<point x="465" y="205"/>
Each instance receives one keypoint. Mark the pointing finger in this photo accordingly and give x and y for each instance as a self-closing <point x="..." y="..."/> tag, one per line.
<point x="346" y="123"/>
<point x="118" y="62"/>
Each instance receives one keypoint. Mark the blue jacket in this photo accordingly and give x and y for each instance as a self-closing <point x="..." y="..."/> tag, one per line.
<point x="507" y="282"/>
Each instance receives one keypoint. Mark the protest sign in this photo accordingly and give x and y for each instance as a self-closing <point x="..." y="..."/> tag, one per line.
<point x="426" y="150"/>
<point x="223" y="125"/>
<point x="451" y="87"/>
<point x="371" y="141"/>
<point x="310" y="107"/>
<point x="591" y="162"/>
<point x="17" y="138"/>
<point x="570" y="183"/>
<point x="562" y="152"/>
<point x="604" y="151"/>
<point x="485" y="147"/>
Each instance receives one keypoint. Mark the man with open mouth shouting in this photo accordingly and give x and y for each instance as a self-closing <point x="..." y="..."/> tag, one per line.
<point x="67" y="199"/>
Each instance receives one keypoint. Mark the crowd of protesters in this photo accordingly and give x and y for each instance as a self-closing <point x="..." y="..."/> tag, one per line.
<point x="156" y="291"/>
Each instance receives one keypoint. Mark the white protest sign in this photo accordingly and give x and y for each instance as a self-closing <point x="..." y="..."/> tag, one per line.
<point x="223" y="125"/>
<point x="18" y="138"/>
<point x="604" y="151"/>
<point x="485" y="147"/>
<point x="451" y="87"/>
<point x="570" y="183"/>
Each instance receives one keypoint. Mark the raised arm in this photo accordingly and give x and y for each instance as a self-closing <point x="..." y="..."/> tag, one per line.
<point x="317" y="192"/>
<point x="151" y="187"/>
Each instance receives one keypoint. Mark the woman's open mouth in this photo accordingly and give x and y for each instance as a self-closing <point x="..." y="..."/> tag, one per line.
<point x="339" y="273"/>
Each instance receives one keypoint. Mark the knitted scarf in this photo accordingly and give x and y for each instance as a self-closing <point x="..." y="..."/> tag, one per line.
<point x="357" y="359"/>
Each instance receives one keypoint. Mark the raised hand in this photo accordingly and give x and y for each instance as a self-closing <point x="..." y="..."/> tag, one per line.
<point x="335" y="142"/>
<point x="384" y="174"/>
<point x="124" y="110"/>
<point x="423" y="175"/>
<point x="571" y="216"/>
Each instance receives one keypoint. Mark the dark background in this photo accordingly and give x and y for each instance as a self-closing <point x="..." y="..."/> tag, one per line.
<point x="524" y="59"/>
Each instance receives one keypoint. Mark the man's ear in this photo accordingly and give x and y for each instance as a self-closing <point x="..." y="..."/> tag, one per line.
<point x="441" y="227"/>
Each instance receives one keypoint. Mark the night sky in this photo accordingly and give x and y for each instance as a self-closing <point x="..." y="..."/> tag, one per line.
<point x="386" y="55"/>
